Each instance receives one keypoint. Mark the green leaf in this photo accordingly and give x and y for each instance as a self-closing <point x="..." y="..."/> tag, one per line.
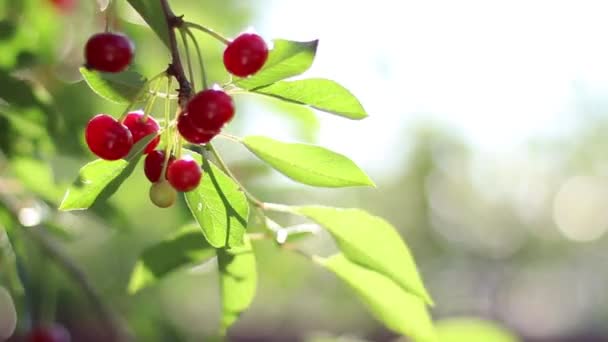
<point x="37" y="177"/>
<point x="308" y="164"/>
<point x="238" y="279"/>
<point x="219" y="207"/>
<point x="464" y="329"/>
<point x="322" y="94"/>
<point x="187" y="247"/>
<point x="152" y="12"/>
<point x="286" y="59"/>
<point x="399" y="310"/>
<point x="122" y="87"/>
<point x="100" y="179"/>
<point x="371" y="242"/>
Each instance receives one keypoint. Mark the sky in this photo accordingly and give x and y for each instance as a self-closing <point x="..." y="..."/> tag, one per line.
<point x="496" y="72"/>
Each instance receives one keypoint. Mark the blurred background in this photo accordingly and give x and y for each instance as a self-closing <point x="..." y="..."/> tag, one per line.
<point x="485" y="138"/>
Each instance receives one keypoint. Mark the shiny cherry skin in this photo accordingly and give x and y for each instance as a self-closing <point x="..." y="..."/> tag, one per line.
<point x="189" y="132"/>
<point x="51" y="333"/>
<point x="184" y="174"/>
<point x="141" y="126"/>
<point x="210" y="110"/>
<point x="245" y="55"/>
<point x="107" y="138"/>
<point x="109" y="52"/>
<point x="153" y="165"/>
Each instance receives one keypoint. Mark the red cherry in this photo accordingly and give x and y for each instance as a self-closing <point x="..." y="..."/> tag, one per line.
<point x="245" y="55"/>
<point x="153" y="165"/>
<point x="64" y="6"/>
<point x="108" y="138"/>
<point x="140" y="128"/>
<point x="109" y="52"/>
<point x="184" y="174"/>
<point x="191" y="133"/>
<point x="210" y="110"/>
<point x="52" y="333"/>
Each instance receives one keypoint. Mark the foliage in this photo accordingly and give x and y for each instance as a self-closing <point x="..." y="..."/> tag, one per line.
<point x="220" y="220"/>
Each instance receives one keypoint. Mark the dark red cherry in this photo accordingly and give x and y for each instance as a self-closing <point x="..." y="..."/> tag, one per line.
<point x="51" y="333"/>
<point x="191" y="133"/>
<point x="153" y="165"/>
<point x="210" y="110"/>
<point x="245" y="55"/>
<point x="108" y="138"/>
<point x="184" y="174"/>
<point x="109" y="52"/>
<point x="141" y="126"/>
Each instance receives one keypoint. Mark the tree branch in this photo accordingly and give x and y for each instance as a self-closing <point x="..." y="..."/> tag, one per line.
<point x="176" y="69"/>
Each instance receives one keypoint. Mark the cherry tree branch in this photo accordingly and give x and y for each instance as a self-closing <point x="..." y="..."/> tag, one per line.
<point x="176" y="68"/>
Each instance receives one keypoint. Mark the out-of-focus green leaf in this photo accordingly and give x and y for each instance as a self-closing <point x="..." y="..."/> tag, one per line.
<point x="16" y="92"/>
<point x="238" y="280"/>
<point x="286" y="59"/>
<point x="100" y="178"/>
<point x="37" y="177"/>
<point x="322" y="94"/>
<point x="7" y="29"/>
<point x="308" y="164"/>
<point x="21" y="124"/>
<point x="399" y="310"/>
<point x="122" y="87"/>
<point x="219" y="207"/>
<point x="371" y="242"/>
<point x="468" y="329"/>
<point x="187" y="247"/>
<point x="152" y="12"/>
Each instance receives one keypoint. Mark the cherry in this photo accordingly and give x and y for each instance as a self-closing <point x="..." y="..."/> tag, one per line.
<point x="64" y="6"/>
<point x="51" y="333"/>
<point x="245" y="55"/>
<point x="109" y="52"/>
<point x="184" y="174"/>
<point x="141" y="126"/>
<point x="191" y="133"/>
<point x="162" y="194"/>
<point x="210" y="110"/>
<point x="153" y="165"/>
<point x="108" y="138"/>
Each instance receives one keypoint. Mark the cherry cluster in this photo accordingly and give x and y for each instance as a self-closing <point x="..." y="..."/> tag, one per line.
<point x="203" y="117"/>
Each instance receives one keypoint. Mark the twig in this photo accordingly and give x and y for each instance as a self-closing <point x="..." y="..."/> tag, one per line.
<point x="176" y="68"/>
<point x="209" y="32"/>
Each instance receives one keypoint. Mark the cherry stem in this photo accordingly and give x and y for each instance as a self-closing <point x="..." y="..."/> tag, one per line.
<point x="143" y="90"/>
<point x="231" y="137"/>
<point x="167" y="133"/>
<point x="188" y="59"/>
<point x="176" y="68"/>
<point x="208" y="31"/>
<point x="254" y="200"/>
<point x="200" y="57"/>
<point x="150" y="103"/>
